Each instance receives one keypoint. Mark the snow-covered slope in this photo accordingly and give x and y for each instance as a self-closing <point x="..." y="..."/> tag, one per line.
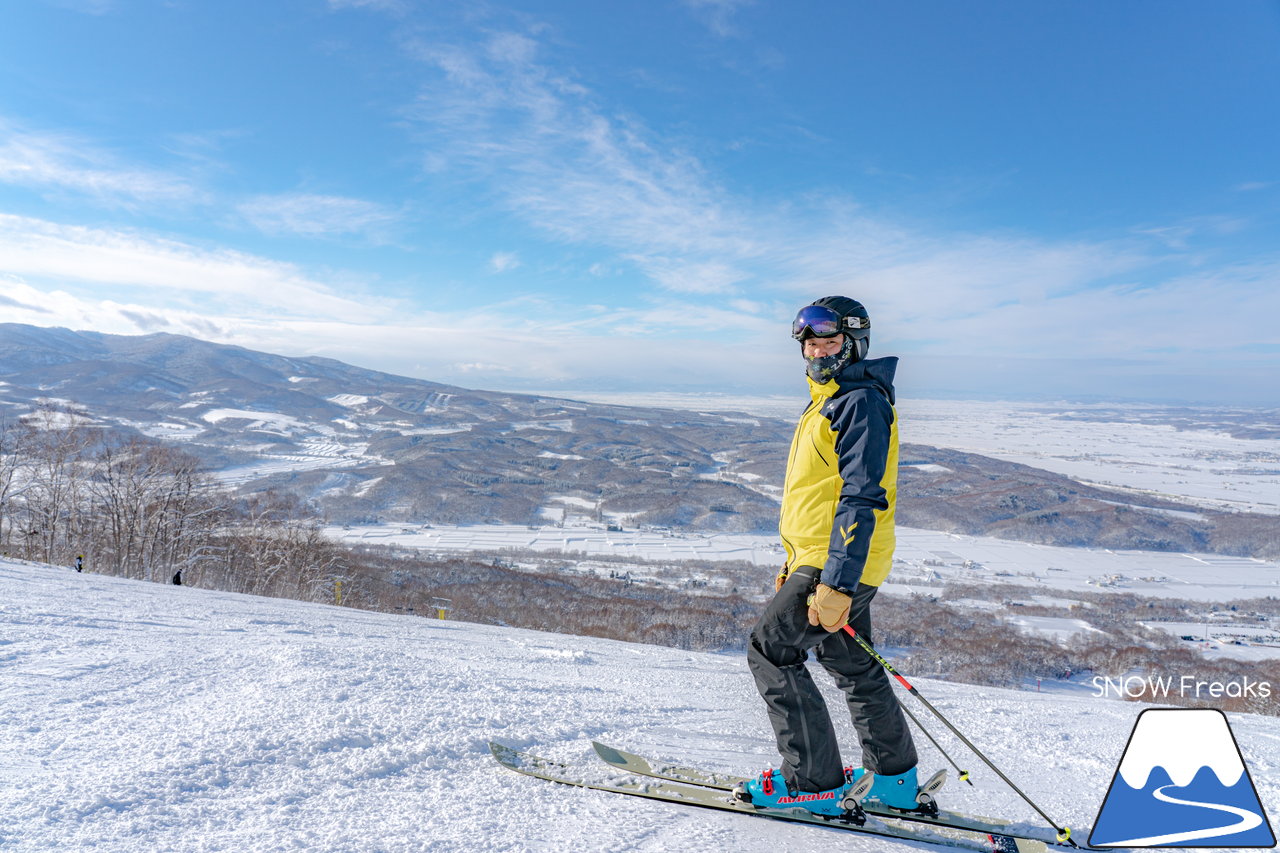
<point x="137" y="717"/>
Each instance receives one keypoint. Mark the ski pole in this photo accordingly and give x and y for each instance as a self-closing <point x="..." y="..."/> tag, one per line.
<point x="1064" y="833"/>
<point x="964" y="774"/>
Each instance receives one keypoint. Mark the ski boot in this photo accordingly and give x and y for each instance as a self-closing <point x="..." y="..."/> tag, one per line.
<point x="902" y="791"/>
<point x="769" y="790"/>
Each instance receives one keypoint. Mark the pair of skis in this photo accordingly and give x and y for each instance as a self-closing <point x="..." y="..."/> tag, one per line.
<point x="693" y="787"/>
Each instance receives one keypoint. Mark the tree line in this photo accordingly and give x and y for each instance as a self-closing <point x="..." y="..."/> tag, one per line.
<point x="131" y="506"/>
<point x="977" y="647"/>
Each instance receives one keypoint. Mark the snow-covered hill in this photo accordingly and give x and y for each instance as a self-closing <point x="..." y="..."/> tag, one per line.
<point x="363" y="444"/>
<point x="138" y="717"/>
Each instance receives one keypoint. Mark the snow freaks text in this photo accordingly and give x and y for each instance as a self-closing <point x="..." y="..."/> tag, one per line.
<point x="1188" y="687"/>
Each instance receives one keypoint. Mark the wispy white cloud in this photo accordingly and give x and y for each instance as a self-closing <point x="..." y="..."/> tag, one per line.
<point x="940" y="281"/>
<point x="539" y="346"/>
<point x="310" y="215"/>
<point x="54" y="252"/>
<point x="1194" y="337"/>
<point x="22" y="302"/>
<point x="130" y="282"/>
<point x="558" y="158"/>
<point x="63" y="162"/>
<point x="1183" y="234"/>
<point x="564" y="165"/>
<point x="504" y="262"/>
<point x="672" y="341"/>
<point x="726" y="271"/>
<point x="685" y="276"/>
<point x="481" y="367"/>
<point x="560" y="161"/>
<point x="718" y="15"/>
<point x="16" y="296"/>
<point x="205" y="149"/>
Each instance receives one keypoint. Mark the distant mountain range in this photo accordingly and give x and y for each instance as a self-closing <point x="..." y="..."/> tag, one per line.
<point x="366" y="446"/>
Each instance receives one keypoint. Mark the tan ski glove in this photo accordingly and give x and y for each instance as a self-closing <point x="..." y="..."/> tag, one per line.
<point x="829" y="607"/>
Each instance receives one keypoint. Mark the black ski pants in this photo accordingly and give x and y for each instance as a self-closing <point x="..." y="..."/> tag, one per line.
<point x="779" y="648"/>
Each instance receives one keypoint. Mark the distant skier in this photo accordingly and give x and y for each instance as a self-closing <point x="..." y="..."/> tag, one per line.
<point x="79" y="562"/>
<point x="837" y="528"/>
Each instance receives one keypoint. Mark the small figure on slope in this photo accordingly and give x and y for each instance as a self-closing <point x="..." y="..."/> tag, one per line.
<point x="837" y="528"/>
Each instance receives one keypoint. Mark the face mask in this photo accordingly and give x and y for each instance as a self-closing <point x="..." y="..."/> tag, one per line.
<point x="825" y="367"/>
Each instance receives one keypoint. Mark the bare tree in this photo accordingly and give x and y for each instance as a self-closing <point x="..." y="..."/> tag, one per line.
<point x="275" y="547"/>
<point x="153" y="503"/>
<point x="13" y="453"/>
<point x="146" y="510"/>
<point x="56" y="440"/>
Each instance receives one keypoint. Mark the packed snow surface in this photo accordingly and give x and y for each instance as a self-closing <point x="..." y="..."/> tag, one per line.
<point x="924" y="559"/>
<point x="140" y="717"/>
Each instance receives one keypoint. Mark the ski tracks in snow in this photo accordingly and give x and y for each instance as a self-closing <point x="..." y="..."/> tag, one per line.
<point x="137" y="717"/>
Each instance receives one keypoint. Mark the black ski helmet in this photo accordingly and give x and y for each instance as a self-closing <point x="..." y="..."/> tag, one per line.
<point x="855" y="325"/>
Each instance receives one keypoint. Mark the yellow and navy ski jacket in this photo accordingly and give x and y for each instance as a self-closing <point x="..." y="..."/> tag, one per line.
<point x="842" y="475"/>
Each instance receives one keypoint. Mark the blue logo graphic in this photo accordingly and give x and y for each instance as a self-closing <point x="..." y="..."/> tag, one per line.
<point x="1182" y="782"/>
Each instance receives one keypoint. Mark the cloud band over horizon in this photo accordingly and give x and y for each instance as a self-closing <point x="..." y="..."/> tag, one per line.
<point x="533" y="222"/>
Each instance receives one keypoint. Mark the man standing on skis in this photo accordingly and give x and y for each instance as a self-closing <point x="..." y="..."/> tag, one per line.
<point x="837" y="528"/>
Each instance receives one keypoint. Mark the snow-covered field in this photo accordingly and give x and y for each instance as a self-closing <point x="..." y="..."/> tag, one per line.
<point x="593" y="540"/>
<point x="1205" y="467"/>
<point x="1199" y="577"/>
<point x="1239" y="642"/>
<point x="1054" y="627"/>
<point x="315" y="455"/>
<point x="923" y="560"/>
<point x="139" y="717"/>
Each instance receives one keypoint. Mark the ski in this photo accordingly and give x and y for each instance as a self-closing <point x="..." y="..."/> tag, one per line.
<point x="994" y="827"/>
<point x="702" y="796"/>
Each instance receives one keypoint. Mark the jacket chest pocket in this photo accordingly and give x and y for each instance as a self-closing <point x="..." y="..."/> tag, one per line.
<point x="818" y="446"/>
<point x="824" y="457"/>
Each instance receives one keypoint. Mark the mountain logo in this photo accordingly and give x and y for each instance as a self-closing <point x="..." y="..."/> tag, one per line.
<point x="1182" y="782"/>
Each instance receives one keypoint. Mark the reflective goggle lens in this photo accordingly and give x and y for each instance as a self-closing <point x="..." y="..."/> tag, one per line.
<point x="821" y="322"/>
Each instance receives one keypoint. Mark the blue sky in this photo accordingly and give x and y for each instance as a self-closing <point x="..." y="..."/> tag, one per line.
<point x="1056" y="199"/>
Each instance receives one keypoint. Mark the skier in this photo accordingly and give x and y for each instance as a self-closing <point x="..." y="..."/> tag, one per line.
<point x="837" y="529"/>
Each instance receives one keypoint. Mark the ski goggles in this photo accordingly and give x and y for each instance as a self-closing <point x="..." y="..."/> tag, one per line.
<point x="822" y="322"/>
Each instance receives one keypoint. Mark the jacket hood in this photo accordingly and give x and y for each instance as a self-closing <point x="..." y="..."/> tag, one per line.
<point x="868" y="373"/>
